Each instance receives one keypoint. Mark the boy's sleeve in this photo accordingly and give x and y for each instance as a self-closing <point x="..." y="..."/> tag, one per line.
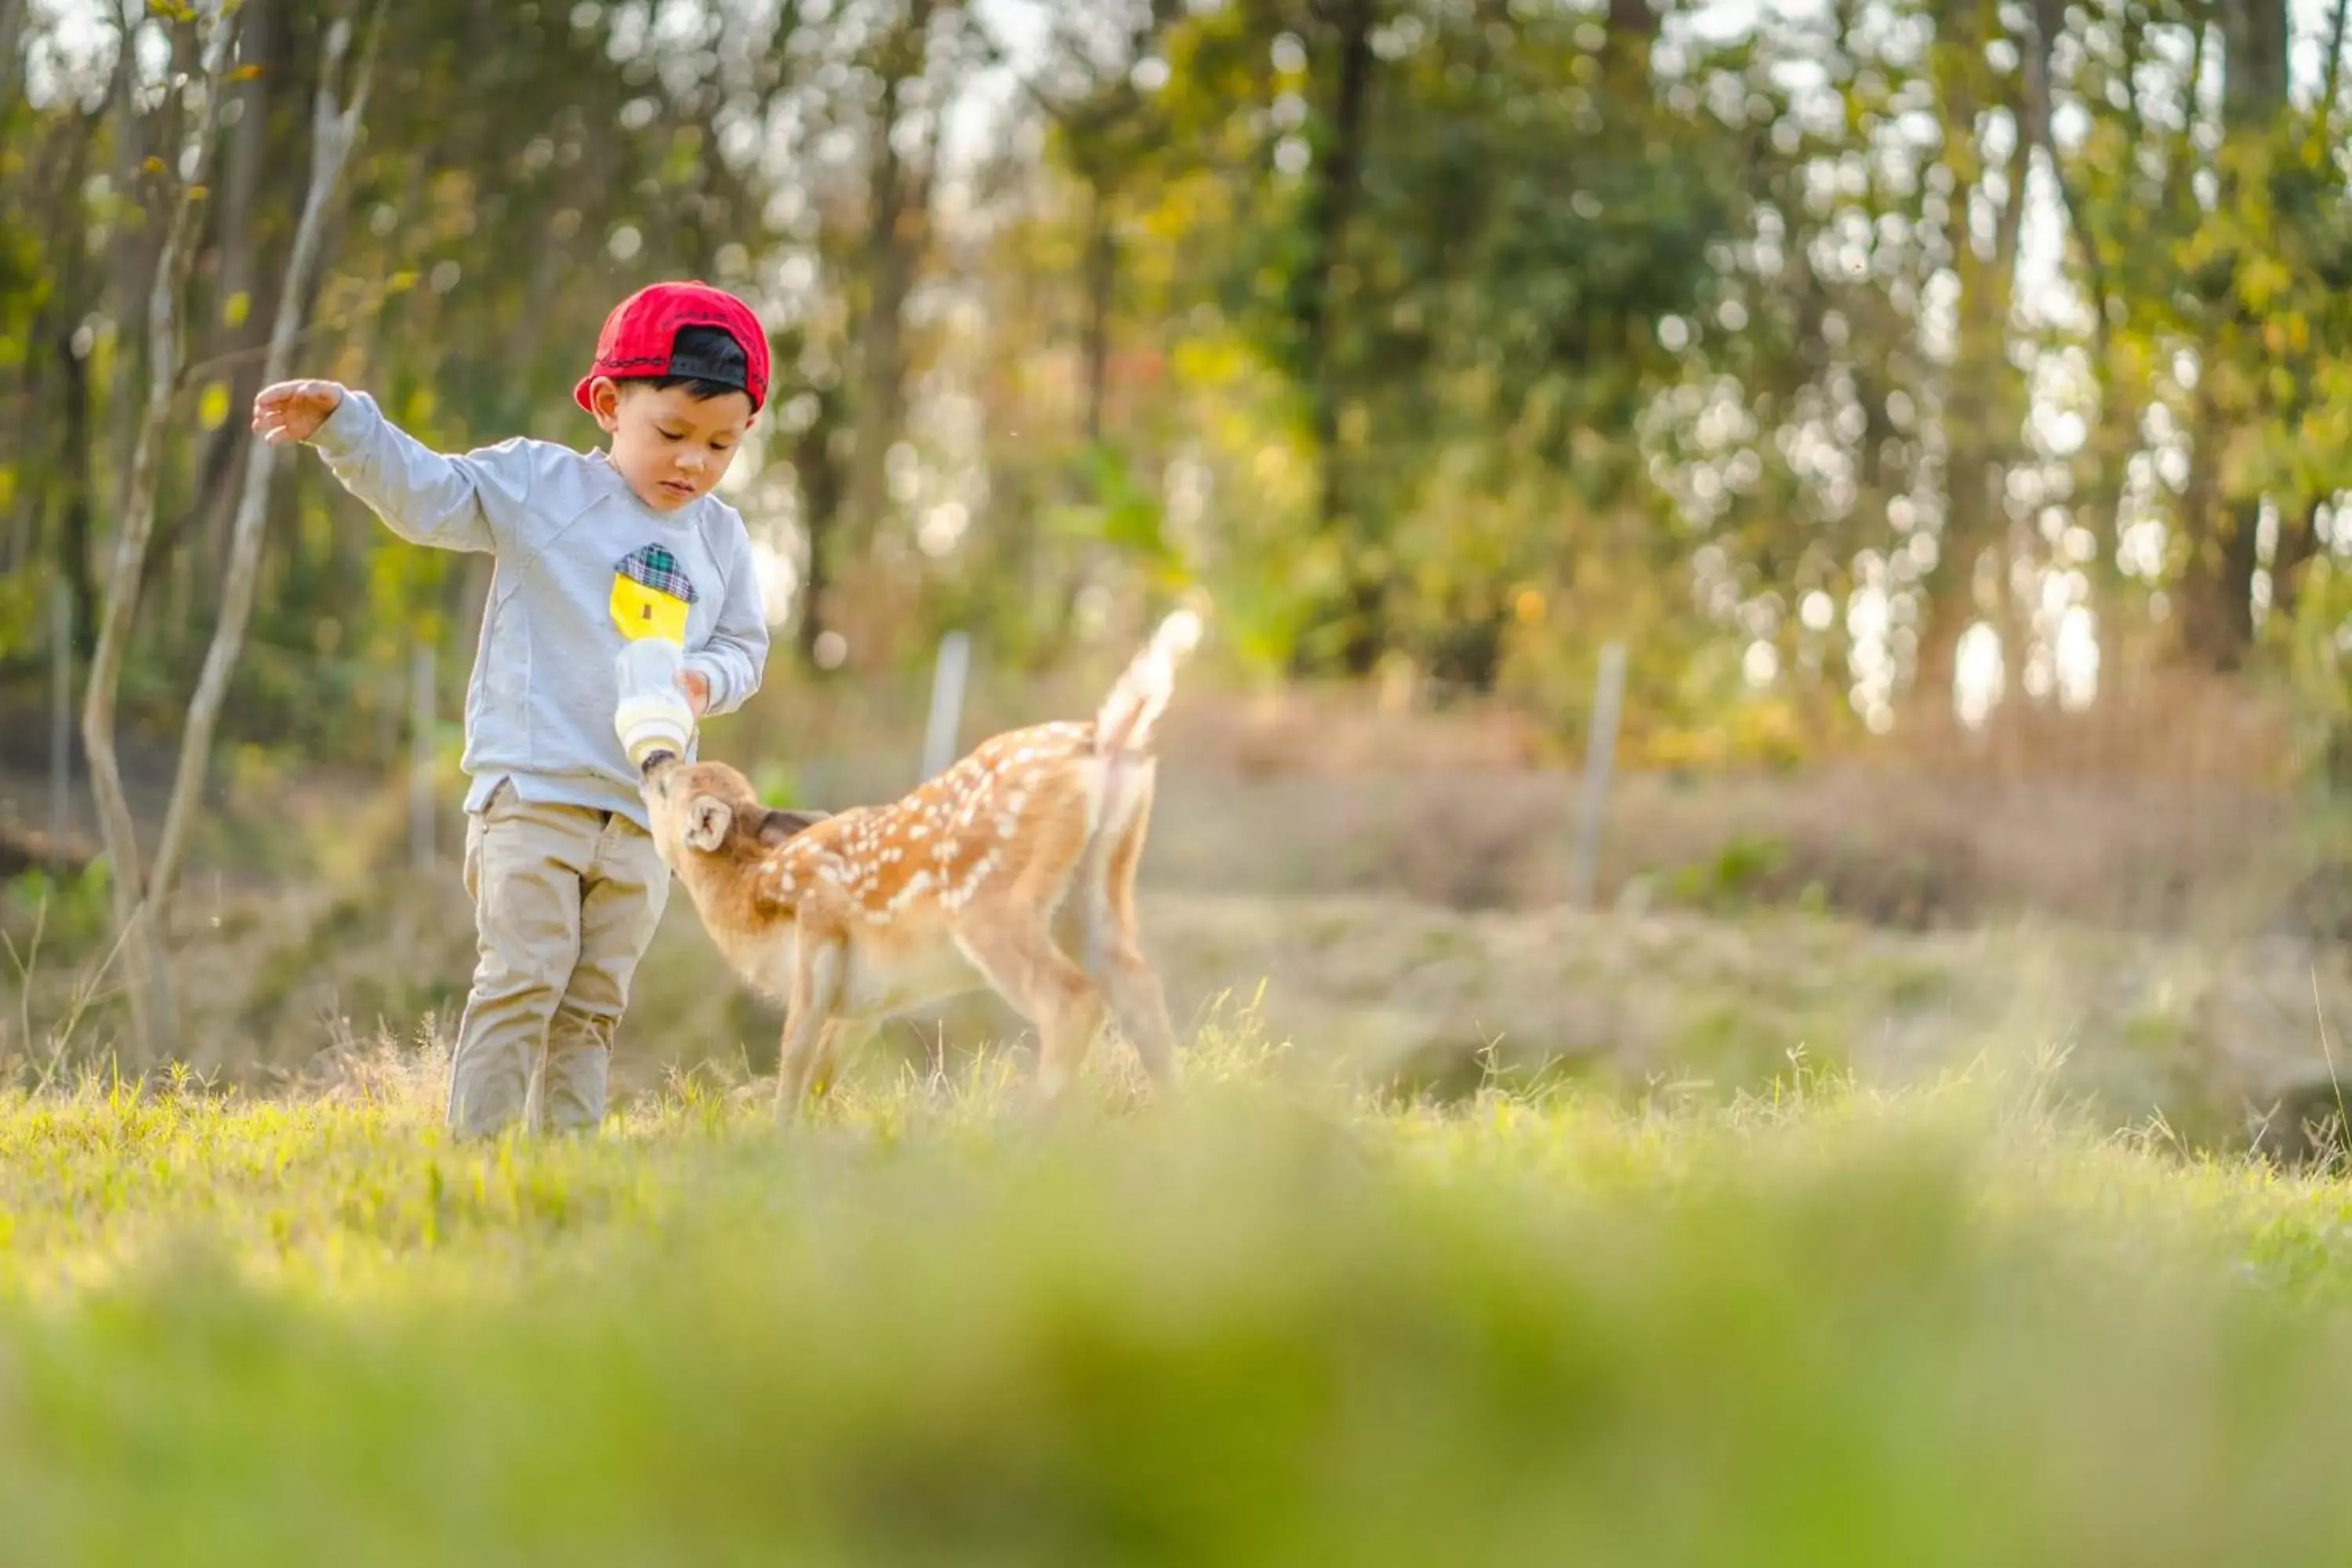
<point x="737" y="652"/>
<point x="470" y="502"/>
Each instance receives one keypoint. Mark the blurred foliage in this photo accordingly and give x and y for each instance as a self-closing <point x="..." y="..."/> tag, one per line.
<point x="65" y="909"/>
<point x="2313" y="647"/>
<point x="1824" y="1326"/>
<point x="1439" y="341"/>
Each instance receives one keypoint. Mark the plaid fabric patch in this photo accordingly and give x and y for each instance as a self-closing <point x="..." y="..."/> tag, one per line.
<point x="657" y="568"/>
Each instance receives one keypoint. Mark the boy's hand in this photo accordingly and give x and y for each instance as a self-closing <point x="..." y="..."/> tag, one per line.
<point x="293" y="410"/>
<point x="697" y="687"/>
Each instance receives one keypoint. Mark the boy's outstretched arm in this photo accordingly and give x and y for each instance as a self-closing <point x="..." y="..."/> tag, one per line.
<point x="731" y="662"/>
<point x="470" y="502"/>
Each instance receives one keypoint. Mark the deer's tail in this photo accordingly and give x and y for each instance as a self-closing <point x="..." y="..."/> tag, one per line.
<point x="1123" y="725"/>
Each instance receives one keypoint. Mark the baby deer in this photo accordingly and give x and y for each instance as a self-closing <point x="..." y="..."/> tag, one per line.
<point x="849" y="918"/>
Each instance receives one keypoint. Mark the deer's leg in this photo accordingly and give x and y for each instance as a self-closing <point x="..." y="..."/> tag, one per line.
<point x="808" y="1019"/>
<point x="1136" y="994"/>
<point x="1019" y="958"/>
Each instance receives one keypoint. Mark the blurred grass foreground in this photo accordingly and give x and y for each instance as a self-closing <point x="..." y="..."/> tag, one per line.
<point x="1272" y="1323"/>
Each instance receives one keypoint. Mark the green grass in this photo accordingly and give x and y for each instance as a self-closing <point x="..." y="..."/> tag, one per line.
<point x="1269" y="1325"/>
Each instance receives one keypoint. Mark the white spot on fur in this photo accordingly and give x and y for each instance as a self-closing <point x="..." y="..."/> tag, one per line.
<point x="979" y="874"/>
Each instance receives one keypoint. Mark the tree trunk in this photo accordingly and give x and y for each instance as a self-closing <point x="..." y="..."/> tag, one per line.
<point x="11" y="51"/>
<point x="2217" y="591"/>
<point x="1338" y="173"/>
<point x="246" y="168"/>
<point x="1982" y="406"/>
<point x="1102" y="276"/>
<point x="64" y="480"/>
<point x="2116" y="436"/>
<point x="1633" y="34"/>
<point x="897" y="194"/>
<point x="817" y="462"/>
<point x="334" y="129"/>
<point x="2298" y="542"/>
<point x="132" y="247"/>
<point x="153" y="1024"/>
<point x="244" y="326"/>
<point x="74" y="526"/>
<point x="2255" y="65"/>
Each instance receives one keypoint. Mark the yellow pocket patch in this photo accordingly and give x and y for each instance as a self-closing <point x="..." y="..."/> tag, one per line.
<point x="651" y="597"/>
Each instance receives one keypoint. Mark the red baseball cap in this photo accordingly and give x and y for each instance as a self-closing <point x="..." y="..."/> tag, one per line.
<point x="640" y="337"/>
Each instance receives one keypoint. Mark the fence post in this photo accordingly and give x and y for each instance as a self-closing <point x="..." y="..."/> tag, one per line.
<point x="947" y="703"/>
<point x="420" y="757"/>
<point x="60" y="713"/>
<point x="1599" y="758"/>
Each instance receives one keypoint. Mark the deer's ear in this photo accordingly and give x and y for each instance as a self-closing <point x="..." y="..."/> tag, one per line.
<point x="780" y="825"/>
<point x="708" y="819"/>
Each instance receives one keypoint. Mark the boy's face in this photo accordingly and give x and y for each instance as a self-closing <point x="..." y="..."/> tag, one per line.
<point x="671" y="447"/>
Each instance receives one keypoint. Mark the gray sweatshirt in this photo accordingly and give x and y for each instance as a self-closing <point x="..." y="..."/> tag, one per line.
<point x="584" y="568"/>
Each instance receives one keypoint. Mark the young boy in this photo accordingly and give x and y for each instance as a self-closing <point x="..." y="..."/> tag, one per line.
<point x="594" y="551"/>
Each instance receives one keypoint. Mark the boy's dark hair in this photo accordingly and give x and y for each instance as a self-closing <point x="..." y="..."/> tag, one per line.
<point x="714" y="365"/>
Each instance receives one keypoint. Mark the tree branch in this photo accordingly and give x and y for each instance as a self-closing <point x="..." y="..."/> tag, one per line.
<point x="151" y="1021"/>
<point x="334" y="130"/>
<point x="2327" y="110"/>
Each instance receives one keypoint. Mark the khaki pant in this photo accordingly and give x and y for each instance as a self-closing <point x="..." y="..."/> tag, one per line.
<point x="565" y="898"/>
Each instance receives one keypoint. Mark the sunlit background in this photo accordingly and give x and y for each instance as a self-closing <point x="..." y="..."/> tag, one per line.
<point x="1836" y="194"/>
<point x="1938" y="407"/>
